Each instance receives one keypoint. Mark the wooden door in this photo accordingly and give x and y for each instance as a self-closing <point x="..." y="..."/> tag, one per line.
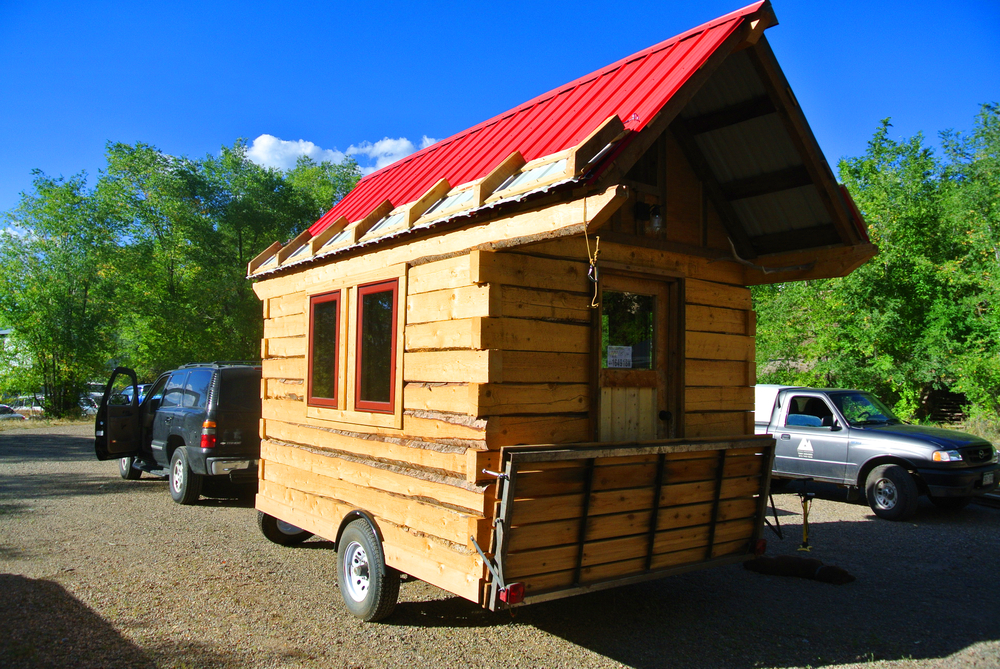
<point x="639" y="348"/>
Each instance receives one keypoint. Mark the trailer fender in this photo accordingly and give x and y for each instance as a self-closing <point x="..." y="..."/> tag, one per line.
<point x="351" y="517"/>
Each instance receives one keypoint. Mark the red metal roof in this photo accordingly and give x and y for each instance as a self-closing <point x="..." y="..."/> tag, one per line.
<point x="635" y="88"/>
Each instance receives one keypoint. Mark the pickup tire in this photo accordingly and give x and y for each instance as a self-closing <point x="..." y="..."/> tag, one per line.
<point x="280" y="532"/>
<point x="185" y="485"/>
<point x="127" y="471"/>
<point x="891" y="492"/>
<point x="951" y="503"/>
<point x="370" y="588"/>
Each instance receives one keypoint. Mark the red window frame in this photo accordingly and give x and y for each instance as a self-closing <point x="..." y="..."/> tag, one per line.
<point x="367" y="289"/>
<point x="313" y="301"/>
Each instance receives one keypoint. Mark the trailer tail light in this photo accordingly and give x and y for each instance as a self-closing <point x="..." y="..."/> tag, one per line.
<point x="208" y="434"/>
<point x="512" y="594"/>
<point x="760" y="547"/>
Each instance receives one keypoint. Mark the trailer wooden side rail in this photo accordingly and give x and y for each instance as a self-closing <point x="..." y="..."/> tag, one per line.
<point x="580" y="517"/>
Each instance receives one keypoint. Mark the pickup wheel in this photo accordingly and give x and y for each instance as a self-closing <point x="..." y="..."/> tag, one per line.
<point x="951" y="503"/>
<point x="127" y="471"/>
<point x="891" y="492"/>
<point x="369" y="588"/>
<point x="280" y="532"/>
<point x="185" y="485"/>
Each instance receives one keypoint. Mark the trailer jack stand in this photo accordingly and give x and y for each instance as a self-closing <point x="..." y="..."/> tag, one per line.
<point x="806" y="498"/>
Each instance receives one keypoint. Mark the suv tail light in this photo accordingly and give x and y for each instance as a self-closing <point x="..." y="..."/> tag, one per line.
<point x="208" y="434"/>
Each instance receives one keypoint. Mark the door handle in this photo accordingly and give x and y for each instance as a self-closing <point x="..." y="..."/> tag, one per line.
<point x="786" y="436"/>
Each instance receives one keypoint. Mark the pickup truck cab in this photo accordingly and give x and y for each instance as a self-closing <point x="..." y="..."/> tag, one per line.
<point x="850" y="438"/>
<point x="194" y="424"/>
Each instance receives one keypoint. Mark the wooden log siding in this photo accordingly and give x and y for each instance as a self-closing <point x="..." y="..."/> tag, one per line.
<point x="719" y="359"/>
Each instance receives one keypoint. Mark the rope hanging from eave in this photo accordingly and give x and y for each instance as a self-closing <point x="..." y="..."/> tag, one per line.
<point x="592" y="272"/>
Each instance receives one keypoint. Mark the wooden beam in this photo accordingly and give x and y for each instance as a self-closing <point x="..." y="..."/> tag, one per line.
<point x="612" y="130"/>
<point x="727" y="116"/>
<point x="808" y="264"/>
<point x="362" y="227"/>
<point x="332" y="231"/>
<point x="293" y="245"/>
<point x="426" y="201"/>
<point x="500" y="173"/>
<point x="765" y="184"/>
<point x="716" y="195"/>
<point x="802" y="137"/>
<point x="795" y="240"/>
<point x="263" y="256"/>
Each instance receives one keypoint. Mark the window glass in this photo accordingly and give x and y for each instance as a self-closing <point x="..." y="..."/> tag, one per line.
<point x="239" y="390"/>
<point x="156" y="393"/>
<point x="627" y="330"/>
<point x="174" y="392"/>
<point x="376" y="346"/>
<point x="323" y="346"/>
<point x="196" y="388"/>
<point x="863" y="409"/>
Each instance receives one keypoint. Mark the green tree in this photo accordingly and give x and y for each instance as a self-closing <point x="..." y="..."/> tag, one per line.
<point x="56" y="291"/>
<point x="325" y="183"/>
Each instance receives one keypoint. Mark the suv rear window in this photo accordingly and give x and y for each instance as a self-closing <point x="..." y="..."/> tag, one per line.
<point x="196" y="388"/>
<point x="239" y="389"/>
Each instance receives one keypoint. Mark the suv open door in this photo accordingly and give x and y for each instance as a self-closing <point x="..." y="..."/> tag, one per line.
<point x="116" y="429"/>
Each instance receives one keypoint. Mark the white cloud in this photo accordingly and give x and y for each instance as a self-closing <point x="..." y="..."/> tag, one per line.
<point x="270" y="151"/>
<point x="384" y="152"/>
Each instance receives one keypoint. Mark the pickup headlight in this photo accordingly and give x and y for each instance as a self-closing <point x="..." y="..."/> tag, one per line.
<point x="995" y="458"/>
<point x="947" y="456"/>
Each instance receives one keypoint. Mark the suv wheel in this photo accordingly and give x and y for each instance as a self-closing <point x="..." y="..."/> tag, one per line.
<point x="127" y="471"/>
<point x="891" y="492"/>
<point x="279" y="531"/>
<point x="185" y="485"/>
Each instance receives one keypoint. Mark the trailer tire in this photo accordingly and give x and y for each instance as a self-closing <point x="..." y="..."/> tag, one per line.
<point x="370" y="588"/>
<point x="891" y="492"/>
<point x="280" y="532"/>
<point x="127" y="471"/>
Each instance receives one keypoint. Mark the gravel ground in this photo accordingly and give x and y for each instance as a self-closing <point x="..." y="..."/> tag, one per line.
<point x="100" y="572"/>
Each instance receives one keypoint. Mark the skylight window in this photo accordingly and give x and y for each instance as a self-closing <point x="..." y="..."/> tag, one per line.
<point x="451" y="202"/>
<point x="534" y="174"/>
<point x="388" y="222"/>
<point x="336" y="239"/>
<point x="301" y="251"/>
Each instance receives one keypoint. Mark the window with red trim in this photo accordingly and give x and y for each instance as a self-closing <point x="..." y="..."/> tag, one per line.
<point x="375" y="388"/>
<point x="324" y="342"/>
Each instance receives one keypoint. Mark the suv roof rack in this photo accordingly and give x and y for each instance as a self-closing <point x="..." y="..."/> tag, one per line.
<point x="217" y="363"/>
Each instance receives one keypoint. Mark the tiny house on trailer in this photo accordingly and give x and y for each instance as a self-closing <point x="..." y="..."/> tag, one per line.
<point x="519" y="364"/>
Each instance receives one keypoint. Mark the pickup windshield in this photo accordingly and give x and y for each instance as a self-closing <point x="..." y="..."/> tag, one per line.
<point x="863" y="409"/>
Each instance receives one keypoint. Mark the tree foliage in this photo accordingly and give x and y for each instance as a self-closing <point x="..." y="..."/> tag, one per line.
<point x="922" y="314"/>
<point x="148" y="268"/>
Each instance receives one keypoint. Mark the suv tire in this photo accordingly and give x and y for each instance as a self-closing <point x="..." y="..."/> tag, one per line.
<point x="280" y="532"/>
<point x="370" y="588"/>
<point x="185" y="485"/>
<point x="127" y="471"/>
<point x="891" y="492"/>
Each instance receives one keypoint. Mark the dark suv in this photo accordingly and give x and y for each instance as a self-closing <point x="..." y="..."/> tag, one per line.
<point x="194" y="424"/>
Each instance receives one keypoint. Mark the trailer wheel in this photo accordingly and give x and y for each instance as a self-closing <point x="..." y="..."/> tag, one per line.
<point x="127" y="471"/>
<point x="951" y="503"/>
<point x="891" y="492"/>
<point x="369" y="588"/>
<point x="280" y="532"/>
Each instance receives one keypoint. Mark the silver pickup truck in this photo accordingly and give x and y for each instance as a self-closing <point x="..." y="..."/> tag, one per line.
<point x="850" y="438"/>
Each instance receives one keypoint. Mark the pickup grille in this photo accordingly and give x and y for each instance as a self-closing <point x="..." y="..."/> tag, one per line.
<point x="977" y="455"/>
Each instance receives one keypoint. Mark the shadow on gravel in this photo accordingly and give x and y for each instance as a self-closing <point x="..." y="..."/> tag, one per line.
<point x="19" y="447"/>
<point x="41" y="486"/>
<point x="45" y="626"/>
<point x="922" y="591"/>
<point x="450" y="612"/>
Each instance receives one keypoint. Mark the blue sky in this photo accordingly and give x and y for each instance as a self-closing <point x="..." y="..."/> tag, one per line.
<point x="380" y="79"/>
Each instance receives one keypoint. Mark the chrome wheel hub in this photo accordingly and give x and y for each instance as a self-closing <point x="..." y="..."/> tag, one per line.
<point x="177" y="476"/>
<point x="886" y="494"/>
<point x="357" y="577"/>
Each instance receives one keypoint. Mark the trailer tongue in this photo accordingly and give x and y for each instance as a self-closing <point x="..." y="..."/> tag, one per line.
<point x="577" y="518"/>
